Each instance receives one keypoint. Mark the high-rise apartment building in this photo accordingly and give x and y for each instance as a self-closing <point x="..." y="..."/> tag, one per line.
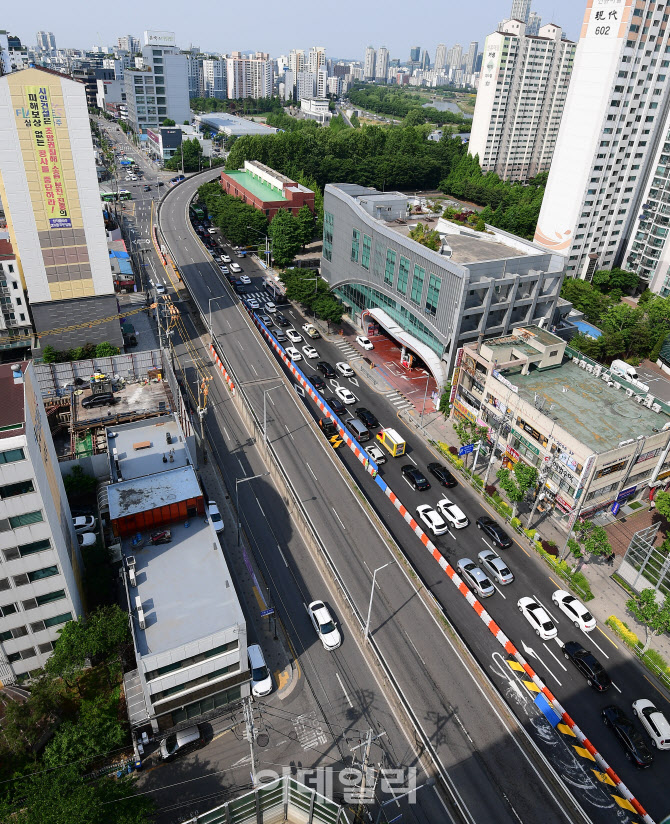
<point x="214" y="78"/>
<point x="305" y="84"/>
<point x="160" y="88"/>
<point x="520" y="101"/>
<point x="370" y="65"/>
<point x="5" y="60"/>
<point x="456" y="60"/>
<point x="414" y="54"/>
<point x="49" y="191"/>
<point x="424" y="63"/>
<point x="520" y="10"/>
<point x="316" y="59"/>
<point x="534" y="24"/>
<point x="46" y="41"/>
<point x="129" y="43"/>
<point x="440" y="57"/>
<point x="604" y="203"/>
<point x="471" y="58"/>
<point x="322" y="82"/>
<point x="296" y="61"/>
<point x="40" y="561"/>
<point x="249" y="76"/>
<point x="382" y="66"/>
<point x="194" y="75"/>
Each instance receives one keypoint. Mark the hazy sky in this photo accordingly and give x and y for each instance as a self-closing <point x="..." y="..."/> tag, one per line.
<point x="345" y="27"/>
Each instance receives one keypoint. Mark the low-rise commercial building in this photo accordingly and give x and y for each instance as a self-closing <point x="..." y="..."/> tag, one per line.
<point x="233" y="126"/>
<point x="597" y="439"/>
<point x="40" y="561"/>
<point x="187" y="624"/>
<point x="267" y="190"/>
<point x="431" y="302"/>
<point x="316" y="108"/>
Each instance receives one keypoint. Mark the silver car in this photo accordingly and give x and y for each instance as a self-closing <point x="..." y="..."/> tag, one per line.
<point x="495" y="566"/>
<point x="475" y="578"/>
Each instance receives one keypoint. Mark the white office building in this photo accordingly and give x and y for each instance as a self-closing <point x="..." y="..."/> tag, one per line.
<point x="614" y="126"/>
<point x="382" y="66"/>
<point x="159" y="88"/>
<point x="40" y="560"/>
<point x="520" y="101"/>
<point x="129" y="43"/>
<point x="322" y="82"/>
<point x="370" y="63"/>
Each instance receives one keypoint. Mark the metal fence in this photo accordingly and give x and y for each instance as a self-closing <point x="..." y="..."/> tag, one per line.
<point x="645" y="565"/>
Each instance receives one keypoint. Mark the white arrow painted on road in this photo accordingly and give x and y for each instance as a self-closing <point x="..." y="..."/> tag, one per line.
<point x="354" y="381"/>
<point x="529" y="651"/>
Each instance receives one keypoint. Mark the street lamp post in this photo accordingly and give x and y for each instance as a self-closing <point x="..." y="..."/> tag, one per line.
<point x="239" y="481"/>
<point x="429" y="782"/>
<point x="372" y="592"/>
<point x="210" y="312"/>
<point x="265" y="394"/>
<point x="267" y="244"/>
<point x="423" y="408"/>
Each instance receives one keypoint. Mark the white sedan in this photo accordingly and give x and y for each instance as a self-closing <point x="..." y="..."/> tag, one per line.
<point x="376" y="454"/>
<point x="215" y="516"/>
<point x="293" y="353"/>
<point x="537" y="617"/>
<point x="293" y="336"/>
<point x="84" y="523"/>
<point x="361" y="340"/>
<point x="344" y="369"/>
<point x="325" y="625"/>
<point x="87" y="539"/>
<point x="454" y="514"/>
<point x="309" y="351"/>
<point x="245" y="279"/>
<point x="574" y="609"/>
<point x="252" y="303"/>
<point x="345" y="395"/>
<point x="432" y="519"/>
<point x="225" y="259"/>
<point x="270" y="307"/>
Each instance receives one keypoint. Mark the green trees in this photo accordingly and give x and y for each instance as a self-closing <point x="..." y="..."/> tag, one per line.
<point x="426" y="237"/>
<point x="305" y="220"/>
<point x="403" y="105"/>
<point x="96" y="731"/>
<point x="287" y="237"/>
<point x="89" y="350"/>
<point x="662" y="501"/>
<point x="240" y="222"/>
<point x="168" y="121"/>
<point x="192" y="154"/>
<point x="654" y="616"/>
<point x="517" y="483"/>
<point x="306" y="287"/>
<point x="588" y="539"/>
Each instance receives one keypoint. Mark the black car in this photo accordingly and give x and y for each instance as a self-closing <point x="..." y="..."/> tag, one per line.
<point x="160" y="183"/>
<point x="367" y="417"/>
<point x="101" y="399"/>
<point x="318" y="383"/>
<point x="336" y="405"/>
<point x="240" y="287"/>
<point x="629" y="736"/>
<point x="326" y="369"/>
<point x="280" y="319"/>
<point x="496" y="533"/>
<point x="442" y="474"/>
<point x="588" y="665"/>
<point x="415" y="478"/>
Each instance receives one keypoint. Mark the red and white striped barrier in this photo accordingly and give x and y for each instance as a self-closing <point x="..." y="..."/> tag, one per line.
<point x="222" y="368"/>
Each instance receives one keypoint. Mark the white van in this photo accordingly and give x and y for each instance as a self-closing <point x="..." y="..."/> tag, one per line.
<point x="261" y="680"/>
<point x="625" y="370"/>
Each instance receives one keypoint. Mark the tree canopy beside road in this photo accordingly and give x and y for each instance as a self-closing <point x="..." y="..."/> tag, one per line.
<point x="240" y="222"/>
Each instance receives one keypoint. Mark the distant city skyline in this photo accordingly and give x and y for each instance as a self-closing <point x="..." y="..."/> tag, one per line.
<point x="398" y="30"/>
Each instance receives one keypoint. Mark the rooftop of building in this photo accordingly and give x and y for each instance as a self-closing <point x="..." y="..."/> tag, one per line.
<point x="186" y="589"/>
<point x="234" y="125"/>
<point x="258" y="188"/>
<point x="146" y="447"/>
<point x="12" y="408"/>
<point x="599" y="415"/>
<point x="142" y="494"/>
<point x="543" y="336"/>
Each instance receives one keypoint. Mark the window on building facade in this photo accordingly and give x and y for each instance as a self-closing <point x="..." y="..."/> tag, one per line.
<point x="355" y="243"/>
<point x="367" y="248"/>
<point x="389" y="271"/>
<point x="328" y="224"/>
<point x="26" y="519"/>
<point x="433" y="294"/>
<point x="403" y="275"/>
<point x="20" y="488"/>
<point x="417" y="283"/>
<point x="12" y="455"/>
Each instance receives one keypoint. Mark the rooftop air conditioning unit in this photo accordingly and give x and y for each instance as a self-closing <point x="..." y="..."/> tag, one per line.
<point x="605" y="376"/>
<point x="656" y="407"/>
<point x="575" y="361"/>
<point x="611" y="383"/>
<point x="589" y="367"/>
<point x="140" y="618"/>
<point x="597" y="371"/>
<point x="131" y="575"/>
<point x="629" y="393"/>
<point x="665" y="426"/>
<point x="649" y="401"/>
<point x="582" y="364"/>
<point x="138" y="602"/>
<point x="639" y="398"/>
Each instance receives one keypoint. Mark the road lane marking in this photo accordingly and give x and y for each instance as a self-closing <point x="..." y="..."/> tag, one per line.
<point x="288" y="431"/>
<point x="339" y="519"/>
<point x="311" y="470"/>
<point x="500" y="591"/>
<point x="599" y="648"/>
<point x="412" y="460"/>
<point x="339" y="681"/>
<point x="616" y="688"/>
<point x="608" y="638"/>
<point x="560" y="663"/>
<point x="558" y="586"/>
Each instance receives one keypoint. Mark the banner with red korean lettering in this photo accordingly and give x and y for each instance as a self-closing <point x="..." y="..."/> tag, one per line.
<point x="49" y="167"/>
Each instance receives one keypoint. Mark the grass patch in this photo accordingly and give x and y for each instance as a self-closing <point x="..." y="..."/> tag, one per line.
<point x="634" y="505"/>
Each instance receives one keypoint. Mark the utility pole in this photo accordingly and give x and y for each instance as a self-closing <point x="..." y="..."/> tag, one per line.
<point x="202" y="400"/>
<point x="370" y="738"/>
<point x="251" y="735"/>
<point x="503" y="420"/>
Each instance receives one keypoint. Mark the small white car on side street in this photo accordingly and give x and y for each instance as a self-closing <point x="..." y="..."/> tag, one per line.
<point x="325" y="625"/>
<point x="361" y="340"/>
<point x="344" y="369"/>
<point x="215" y="518"/>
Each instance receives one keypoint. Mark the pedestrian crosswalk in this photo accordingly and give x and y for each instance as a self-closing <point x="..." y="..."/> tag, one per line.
<point x="397" y="400"/>
<point x="347" y="349"/>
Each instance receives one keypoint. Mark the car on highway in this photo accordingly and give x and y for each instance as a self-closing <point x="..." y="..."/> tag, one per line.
<point x="146" y="188"/>
<point x="345" y="395"/>
<point x="453" y="513"/>
<point x="293" y="353"/>
<point x="281" y="319"/>
<point x="475" y="578"/>
<point x="537" y="617"/>
<point x="318" y="383"/>
<point x="212" y="230"/>
<point x="326" y="369"/>
<point x="654" y="722"/>
<point x="325" y="625"/>
<point x="495" y="567"/>
<point x="267" y="320"/>
<point x="344" y="369"/>
<point x="280" y="337"/>
<point x="495" y="532"/>
<point x="376" y="453"/>
<point x="627" y="735"/>
<point x="434" y="522"/>
<point x="574" y="609"/>
<point x="252" y="303"/>
<point x="214" y="515"/>
<point x="588" y="665"/>
<point x="336" y="405"/>
<point x="309" y="351"/>
<point x="270" y="307"/>
<point x="225" y="259"/>
<point x="83" y="523"/>
<point x="442" y="474"/>
<point x="293" y="336"/>
<point x="235" y="267"/>
<point x="160" y="183"/>
<point x="160" y="288"/>
<point x="367" y="417"/>
<point x="244" y="278"/>
<point x="415" y="478"/>
<point x="361" y="340"/>
<point x="224" y="269"/>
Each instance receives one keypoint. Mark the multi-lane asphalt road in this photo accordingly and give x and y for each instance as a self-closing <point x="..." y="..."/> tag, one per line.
<point x="415" y="646"/>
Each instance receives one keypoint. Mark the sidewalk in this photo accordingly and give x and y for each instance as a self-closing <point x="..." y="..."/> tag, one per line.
<point x="610" y="597"/>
